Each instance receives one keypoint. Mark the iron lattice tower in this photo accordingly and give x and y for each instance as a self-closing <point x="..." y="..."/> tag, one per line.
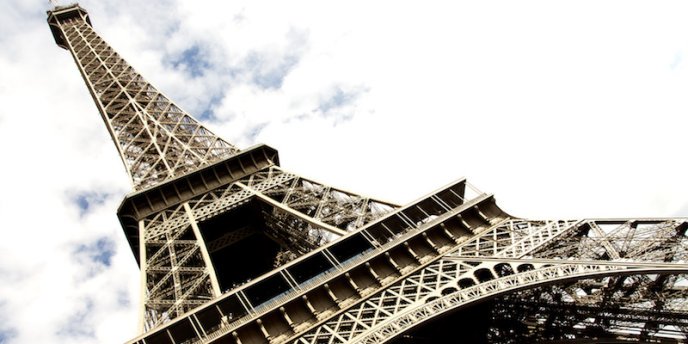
<point x="232" y="248"/>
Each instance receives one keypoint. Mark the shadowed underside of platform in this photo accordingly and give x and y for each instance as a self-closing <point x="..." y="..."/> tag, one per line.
<point x="232" y="248"/>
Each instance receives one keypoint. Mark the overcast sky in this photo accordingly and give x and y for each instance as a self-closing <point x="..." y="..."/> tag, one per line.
<point x="561" y="109"/>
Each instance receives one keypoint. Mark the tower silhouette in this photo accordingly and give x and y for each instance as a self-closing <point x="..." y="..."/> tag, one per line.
<point x="232" y="248"/>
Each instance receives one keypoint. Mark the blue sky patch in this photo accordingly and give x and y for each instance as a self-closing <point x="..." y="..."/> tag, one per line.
<point x="89" y="199"/>
<point x="6" y="335"/>
<point x="193" y="61"/>
<point x="208" y="113"/>
<point x="209" y="110"/>
<point x="6" y="332"/>
<point x="338" y="99"/>
<point x="269" y="76"/>
<point x="99" y="251"/>
<point x="334" y="104"/>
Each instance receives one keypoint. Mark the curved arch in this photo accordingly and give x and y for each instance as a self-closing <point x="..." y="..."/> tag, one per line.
<point x="504" y="269"/>
<point x="525" y="267"/>
<point x="483" y="275"/>
<point x="465" y="283"/>
<point x="448" y="290"/>
<point x="412" y="317"/>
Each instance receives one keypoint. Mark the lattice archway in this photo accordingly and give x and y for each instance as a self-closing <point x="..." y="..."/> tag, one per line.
<point x="541" y="275"/>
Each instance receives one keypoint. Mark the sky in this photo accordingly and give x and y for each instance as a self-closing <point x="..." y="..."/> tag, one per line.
<point x="562" y="109"/>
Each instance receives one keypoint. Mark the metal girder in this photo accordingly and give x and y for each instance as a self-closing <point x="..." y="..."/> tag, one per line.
<point x="155" y="138"/>
<point x="173" y="247"/>
<point x="461" y="277"/>
<point x="456" y="259"/>
<point x="623" y="307"/>
<point x="393" y="268"/>
<point x="395" y="246"/>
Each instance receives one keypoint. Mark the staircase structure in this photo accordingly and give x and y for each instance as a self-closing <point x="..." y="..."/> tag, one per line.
<point x="234" y="249"/>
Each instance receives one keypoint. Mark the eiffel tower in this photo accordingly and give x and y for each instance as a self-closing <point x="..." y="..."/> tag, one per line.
<point x="234" y="249"/>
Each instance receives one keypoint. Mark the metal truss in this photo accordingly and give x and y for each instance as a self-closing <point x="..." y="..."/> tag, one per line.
<point x="446" y="256"/>
<point x="155" y="138"/>
<point x="348" y="268"/>
<point x="459" y="279"/>
<point x="395" y="237"/>
<point x="647" y="308"/>
<point x="302" y="216"/>
<point x="158" y="141"/>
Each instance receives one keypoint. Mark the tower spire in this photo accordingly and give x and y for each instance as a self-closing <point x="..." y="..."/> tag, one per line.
<point x="201" y="204"/>
<point x="155" y="138"/>
<point x="232" y="248"/>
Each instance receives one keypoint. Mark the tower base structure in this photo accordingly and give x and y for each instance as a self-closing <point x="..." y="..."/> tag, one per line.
<point x="455" y="256"/>
<point x="234" y="249"/>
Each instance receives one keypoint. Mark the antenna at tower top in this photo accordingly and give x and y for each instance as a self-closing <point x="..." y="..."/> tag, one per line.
<point x="53" y="2"/>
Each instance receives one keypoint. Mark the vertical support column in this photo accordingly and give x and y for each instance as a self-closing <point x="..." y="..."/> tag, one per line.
<point x="143" y="265"/>
<point x="204" y="251"/>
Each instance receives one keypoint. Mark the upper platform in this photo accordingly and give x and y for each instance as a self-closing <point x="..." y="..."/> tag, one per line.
<point x="61" y="14"/>
<point x="136" y="206"/>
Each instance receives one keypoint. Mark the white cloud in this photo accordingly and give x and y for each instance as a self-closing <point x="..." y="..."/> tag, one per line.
<point x="561" y="109"/>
